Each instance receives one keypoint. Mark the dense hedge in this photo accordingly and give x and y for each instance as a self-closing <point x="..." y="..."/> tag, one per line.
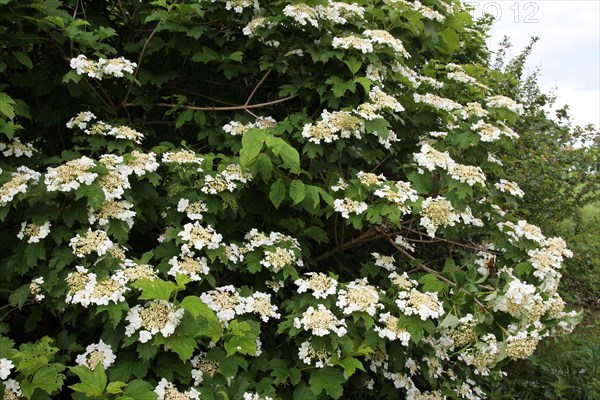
<point x="244" y="199"/>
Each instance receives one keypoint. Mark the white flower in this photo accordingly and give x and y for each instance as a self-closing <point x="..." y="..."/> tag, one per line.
<point x="153" y="317"/>
<point x="97" y="354"/>
<point x="34" y="232"/>
<point x="320" y="322"/>
<point x="5" y="366"/>
<point x="17" y="148"/>
<point x="391" y="330"/>
<point x="383" y="261"/>
<point x="425" y="304"/>
<point x="359" y="296"/>
<point x="347" y="206"/>
<point x="320" y="284"/>
<point x="199" y="237"/>
<point x="226" y="302"/>
<point x="437" y="212"/>
<point x="167" y="391"/>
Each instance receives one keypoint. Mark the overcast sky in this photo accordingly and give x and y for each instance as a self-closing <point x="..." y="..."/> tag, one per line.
<point x="568" y="51"/>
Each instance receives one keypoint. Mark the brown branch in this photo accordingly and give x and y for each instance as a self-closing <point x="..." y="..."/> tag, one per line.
<point x="212" y="108"/>
<point x="256" y="87"/>
<point x="363" y="238"/>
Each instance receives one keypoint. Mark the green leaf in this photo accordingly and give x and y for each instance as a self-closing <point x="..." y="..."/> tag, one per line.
<point x="23" y="59"/>
<point x="281" y="372"/>
<point x="262" y="166"/>
<point x="303" y="392"/>
<point x="450" y="39"/>
<point x="184" y="346"/>
<point x="18" y="297"/>
<point x="140" y="390"/>
<point x="241" y="337"/>
<point x="184" y="117"/>
<point x="350" y="365"/>
<point x="155" y="289"/>
<point x="6" y="106"/>
<point x="210" y="326"/>
<point x="432" y="284"/>
<point x="252" y="143"/>
<point x="48" y="378"/>
<point x="329" y="379"/>
<point x="33" y="356"/>
<point x="92" y="383"/>
<point x="206" y="55"/>
<point x="297" y="191"/>
<point x="413" y="324"/>
<point x="353" y="64"/>
<point x="115" y="387"/>
<point x="277" y="192"/>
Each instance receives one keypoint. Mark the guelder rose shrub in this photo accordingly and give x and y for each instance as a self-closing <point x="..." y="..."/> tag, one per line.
<point x="261" y="200"/>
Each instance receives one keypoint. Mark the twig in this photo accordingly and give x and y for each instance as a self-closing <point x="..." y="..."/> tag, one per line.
<point x="364" y="237"/>
<point x="256" y="87"/>
<point x="212" y="108"/>
<point x="423" y="267"/>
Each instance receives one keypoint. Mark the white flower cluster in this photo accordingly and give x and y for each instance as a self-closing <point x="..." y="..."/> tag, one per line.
<point x="193" y="210"/>
<point x="97" y="354"/>
<point x="18" y="184"/>
<point x="86" y="289"/>
<point x="34" y="232"/>
<point x="398" y="193"/>
<point x="483" y="356"/>
<point x="522" y="229"/>
<point x="332" y="126"/>
<point x="358" y="296"/>
<point x="252" y="28"/>
<point x="385" y="38"/>
<point x="192" y="267"/>
<point x="383" y="261"/>
<point x="202" y="366"/>
<point x="12" y="389"/>
<point x="424" y="304"/>
<point x="70" y="175"/>
<point x="490" y="133"/>
<point x="6" y="366"/>
<point x="119" y="210"/>
<point x="182" y="157"/>
<point x="199" y="237"/>
<point x="318" y="283"/>
<point x="382" y="100"/>
<point x="321" y="356"/>
<point x="165" y="390"/>
<point x="239" y="5"/>
<point x="520" y="299"/>
<point x="227" y="302"/>
<point x="236" y="128"/>
<point x="101" y="128"/>
<point x="156" y="316"/>
<point x="347" y="206"/>
<point x="35" y="288"/>
<point x="17" y="148"/>
<point x="437" y="212"/>
<point x="500" y="101"/>
<point x="335" y="12"/>
<point x="391" y="330"/>
<point x="468" y="174"/>
<point x="441" y="103"/>
<point x="430" y="158"/>
<point x="320" y="322"/>
<point x="474" y="110"/>
<point x="255" y="396"/>
<point x="91" y="242"/>
<point x="509" y="186"/>
<point x="226" y="180"/>
<point x="116" y="67"/>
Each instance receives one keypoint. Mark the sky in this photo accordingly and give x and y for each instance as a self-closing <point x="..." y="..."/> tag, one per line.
<point x="568" y="52"/>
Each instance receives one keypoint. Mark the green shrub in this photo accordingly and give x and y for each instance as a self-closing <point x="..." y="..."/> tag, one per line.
<point x="271" y="200"/>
